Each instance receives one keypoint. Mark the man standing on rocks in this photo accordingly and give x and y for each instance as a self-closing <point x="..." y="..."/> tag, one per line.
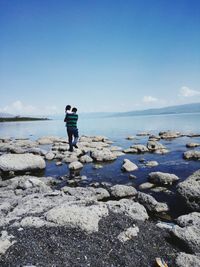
<point x="71" y="119"/>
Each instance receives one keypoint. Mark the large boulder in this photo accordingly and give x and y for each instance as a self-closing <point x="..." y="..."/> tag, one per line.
<point x="189" y="235"/>
<point x="190" y="191"/>
<point x="162" y="178"/>
<point x="21" y="162"/>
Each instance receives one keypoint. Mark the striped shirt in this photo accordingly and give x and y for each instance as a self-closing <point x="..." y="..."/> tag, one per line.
<point x="71" y="120"/>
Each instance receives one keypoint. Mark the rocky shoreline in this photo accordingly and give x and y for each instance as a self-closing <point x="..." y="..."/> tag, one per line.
<point x="57" y="222"/>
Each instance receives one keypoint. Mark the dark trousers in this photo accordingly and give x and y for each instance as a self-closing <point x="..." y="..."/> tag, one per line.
<point x="72" y="133"/>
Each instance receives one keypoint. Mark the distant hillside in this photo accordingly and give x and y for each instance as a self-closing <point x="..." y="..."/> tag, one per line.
<point x="6" y="115"/>
<point x="18" y="118"/>
<point x="187" y="108"/>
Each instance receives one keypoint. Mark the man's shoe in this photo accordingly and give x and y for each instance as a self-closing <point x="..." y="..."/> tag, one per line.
<point x="75" y="146"/>
<point x="71" y="150"/>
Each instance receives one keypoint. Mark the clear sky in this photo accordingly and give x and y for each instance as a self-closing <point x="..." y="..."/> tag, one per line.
<point x="98" y="55"/>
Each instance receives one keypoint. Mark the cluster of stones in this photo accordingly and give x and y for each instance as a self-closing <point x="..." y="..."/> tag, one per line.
<point x="31" y="201"/>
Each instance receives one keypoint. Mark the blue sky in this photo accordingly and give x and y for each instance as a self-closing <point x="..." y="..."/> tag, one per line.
<point x="98" y="55"/>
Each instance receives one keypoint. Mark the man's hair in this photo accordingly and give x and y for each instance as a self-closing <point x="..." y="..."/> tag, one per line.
<point x="74" y="110"/>
<point x="68" y="107"/>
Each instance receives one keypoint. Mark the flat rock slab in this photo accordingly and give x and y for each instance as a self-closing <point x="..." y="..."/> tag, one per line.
<point x="21" y="162"/>
<point x="123" y="191"/>
<point x="187" y="260"/>
<point x="81" y="216"/>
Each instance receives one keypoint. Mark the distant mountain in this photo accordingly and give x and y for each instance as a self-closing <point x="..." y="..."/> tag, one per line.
<point x="187" y="108"/>
<point x="6" y="115"/>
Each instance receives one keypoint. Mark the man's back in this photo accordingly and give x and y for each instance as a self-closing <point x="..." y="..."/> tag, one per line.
<point x="71" y="120"/>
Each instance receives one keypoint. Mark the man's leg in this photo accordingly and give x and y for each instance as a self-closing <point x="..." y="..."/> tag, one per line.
<point x="76" y="136"/>
<point x="70" y="133"/>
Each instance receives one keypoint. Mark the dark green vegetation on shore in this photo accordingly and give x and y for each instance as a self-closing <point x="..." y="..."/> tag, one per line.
<point x="22" y="119"/>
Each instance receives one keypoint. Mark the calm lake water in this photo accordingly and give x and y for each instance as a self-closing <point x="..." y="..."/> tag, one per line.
<point x="117" y="129"/>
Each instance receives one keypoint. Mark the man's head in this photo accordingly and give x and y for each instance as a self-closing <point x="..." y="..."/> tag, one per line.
<point x="74" y="110"/>
<point x="68" y="107"/>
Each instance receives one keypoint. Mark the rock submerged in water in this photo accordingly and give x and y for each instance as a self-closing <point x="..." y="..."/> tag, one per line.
<point x="162" y="178"/>
<point x="21" y="162"/>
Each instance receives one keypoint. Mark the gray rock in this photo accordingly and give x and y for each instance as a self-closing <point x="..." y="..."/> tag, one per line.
<point x="120" y="191"/>
<point x="76" y="165"/>
<point x="153" y="146"/>
<point x="130" y="137"/>
<point x="46" y="140"/>
<point x="192" y="154"/>
<point x="86" y="159"/>
<point x="192" y="218"/>
<point x="6" y="241"/>
<point x="151" y="203"/>
<point x="143" y="134"/>
<point x="162" y="178"/>
<point x="192" y="145"/>
<point x="140" y="148"/>
<point x="151" y="163"/>
<point x="129" y="166"/>
<point x="130" y="150"/>
<point x="59" y="163"/>
<point x="103" y="155"/>
<point x="187" y="260"/>
<point x="190" y="191"/>
<point x="70" y="159"/>
<point x="189" y="235"/>
<point x="78" y="215"/>
<point x="129" y="208"/>
<point x="49" y="156"/>
<point x="146" y="186"/>
<point x="21" y="162"/>
<point x="128" y="234"/>
<point x="88" y="192"/>
<point x="169" y="134"/>
<point x="164" y="225"/>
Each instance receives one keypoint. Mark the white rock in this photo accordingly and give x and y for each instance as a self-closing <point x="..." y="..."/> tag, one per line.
<point x="151" y="203"/>
<point x="129" y="208"/>
<point x="86" y="159"/>
<point x="6" y="241"/>
<point x="103" y="155"/>
<point x="146" y="186"/>
<point x="128" y="234"/>
<point x="123" y="191"/>
<point x="140" y="148"/>
<point x="162" y="178"/>
<point x="129" y="166"/>
<point x="76" y="165"/>
<point x="80" y="216"/>
<point x="49" y="156"/>
<point x="21" y="162"/>
<point x="192" y="154"/>
<point x="151" y="163"/>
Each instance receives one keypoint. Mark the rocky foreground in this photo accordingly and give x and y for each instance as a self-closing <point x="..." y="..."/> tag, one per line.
<point x="45" y="224"/>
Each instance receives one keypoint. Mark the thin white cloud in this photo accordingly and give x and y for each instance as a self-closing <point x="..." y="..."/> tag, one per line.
<point x="149" y="99"/>
<point x="19" y="108"/>
<point x="187" y="92"/>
